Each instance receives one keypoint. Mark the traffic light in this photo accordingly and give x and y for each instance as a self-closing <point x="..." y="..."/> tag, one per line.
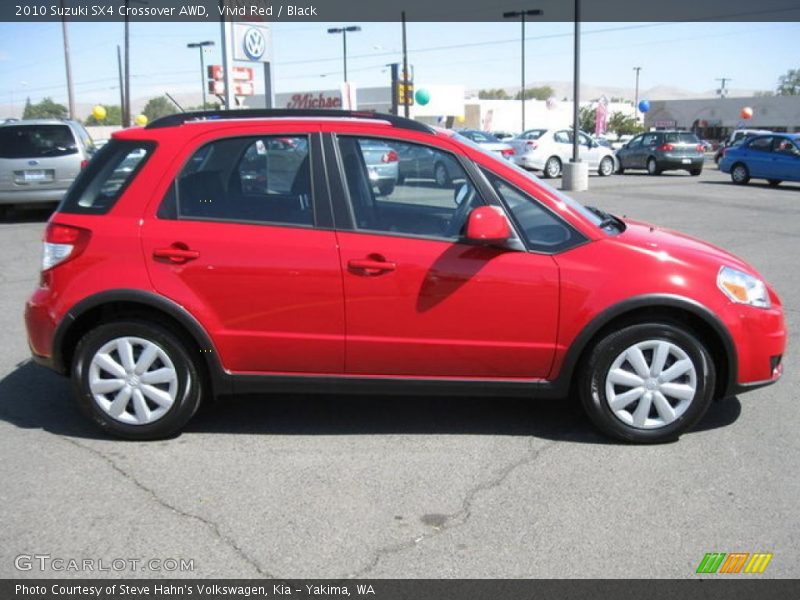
<point x="404" y="92"/>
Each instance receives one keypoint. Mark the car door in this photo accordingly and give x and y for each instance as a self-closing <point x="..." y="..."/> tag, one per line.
<point x="243" y="241"/>
<point x="626" y="153"/>
<point x="421" y="302"/>
<point x="759" y="158"/>
<point x="786" y="158"/>
<point x="562" y="142"/>
<point x="650" y="141"/>
<point x="590" y="150"/>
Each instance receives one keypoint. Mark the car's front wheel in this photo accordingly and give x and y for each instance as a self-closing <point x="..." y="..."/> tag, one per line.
<point x="606" y="167"/>
<point x="652" y="167"/>
<point x="647" y="383"/>
<point x="136" y="380"/>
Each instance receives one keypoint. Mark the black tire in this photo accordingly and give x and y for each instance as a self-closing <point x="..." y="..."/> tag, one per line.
<point x="600" y="359"/>
<point x="695" y="172"/>
<point x="190" y="383"/>
<point x="385" y="188"/>
<point x="441" y="176"/>
<point x="652" y="167"/>
<point x="620" y="168"/>
<point x="552" y="168"/>
<point x="774" y="182"/>
<point x="401" y="179"/>
<point x="5" y="211"/>
<point x="603" y="169"/>
<point x="740" y="174"/>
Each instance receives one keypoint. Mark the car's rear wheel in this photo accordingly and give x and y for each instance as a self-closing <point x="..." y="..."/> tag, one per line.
<point x="136" y="380"/>
<point x="647" y="383"/>
<point x="774" y="182"/>
<point x="552" y="168"/>
<point x="739" y="174"/>
<point x="652" y="167"/>
<point x="385" y="188"/>
<point x="606" y="167"/>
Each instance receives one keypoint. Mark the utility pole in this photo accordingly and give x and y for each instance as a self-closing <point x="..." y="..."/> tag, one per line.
<point x="70" y="89"/>
<point x="722" y="91"/>
<point x="535" y="12"/>
<point x="636" y="96"/>
<point x="576" y="82"/>
<point x="343" y="31"/>
<point x="121" y="85"/>
<point x="404" y="76"/>
<point x="126" y="110"/>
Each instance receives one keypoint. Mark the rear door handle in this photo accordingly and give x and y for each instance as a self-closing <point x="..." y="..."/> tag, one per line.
<point x="177" y="253"/>
<point x="371" y="266"/>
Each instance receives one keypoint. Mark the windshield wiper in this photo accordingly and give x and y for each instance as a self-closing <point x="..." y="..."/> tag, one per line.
<point x="607" y="219"/>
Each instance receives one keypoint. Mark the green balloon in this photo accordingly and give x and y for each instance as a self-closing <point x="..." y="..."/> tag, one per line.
<point x="422" y="97"/>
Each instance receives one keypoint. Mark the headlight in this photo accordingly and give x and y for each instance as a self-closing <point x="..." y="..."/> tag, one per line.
<point x="743" y="288"/>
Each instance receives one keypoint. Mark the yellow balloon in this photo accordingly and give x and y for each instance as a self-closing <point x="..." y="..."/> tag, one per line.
<point x="460" y="119"/>
<point x="99" y="112"/>
<point x="140" y="120"/>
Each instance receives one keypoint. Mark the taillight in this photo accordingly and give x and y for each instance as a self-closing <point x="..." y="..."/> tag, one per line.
<point x="84" y="164"/>
<point x="507" y="152"/>
<point x="62" y="243"/>
<point x="666" y="147"/>
<point x="530" y="145"/>
<point x="390" y="156"/>
<point x="701" y="148"/>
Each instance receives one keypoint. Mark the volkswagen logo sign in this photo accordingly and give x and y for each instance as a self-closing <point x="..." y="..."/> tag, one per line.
<point x="254" y="44"/>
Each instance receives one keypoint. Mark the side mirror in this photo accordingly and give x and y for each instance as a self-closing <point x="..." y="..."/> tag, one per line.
<point x="488" y="225"/>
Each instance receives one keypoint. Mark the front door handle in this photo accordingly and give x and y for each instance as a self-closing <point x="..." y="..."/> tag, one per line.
<point x="178" y="253"/>
<point x="372" y="265"/>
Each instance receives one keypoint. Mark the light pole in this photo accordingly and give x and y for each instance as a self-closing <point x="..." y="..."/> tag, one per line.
<point x="636" y="96"/>
<point x="126" y="110"/>
<point x="70" y="89"/>
<point x="534" y="12"/>
<point x="200" y="46"/>
<point x="576" y="172"/>
<point x="344" y="31"/>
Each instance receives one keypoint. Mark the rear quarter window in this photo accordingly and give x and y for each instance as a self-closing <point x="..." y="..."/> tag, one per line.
<point x="103" y="181"/>
<point x="36" y="141"/>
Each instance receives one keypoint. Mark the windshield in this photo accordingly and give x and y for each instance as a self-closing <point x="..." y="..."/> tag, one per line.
<point x="480" y="137"/>
<point x="36" y="141"/>
<point x="591" y="216"/>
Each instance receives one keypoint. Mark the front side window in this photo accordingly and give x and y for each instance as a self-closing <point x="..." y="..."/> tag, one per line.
<point x="36" y="141"/>
<point x="98" y="187"/>
<point x="785" y="146"/>
<point x="543" y="231"/>
<point x="635" y="142"/>
<point x="406" y="189"/>
<point x="264" y="179"/>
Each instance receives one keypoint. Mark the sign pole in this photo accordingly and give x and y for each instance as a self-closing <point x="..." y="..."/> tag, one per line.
<point x="227" y="61"/>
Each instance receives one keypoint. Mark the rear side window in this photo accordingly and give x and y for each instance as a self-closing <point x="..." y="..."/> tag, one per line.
<point x="265" y="179"/>
<point x="100" y="185"/>
<point x="681" y="138"/>
<point x="36" y="141"/>
<point x="761" y="144"/>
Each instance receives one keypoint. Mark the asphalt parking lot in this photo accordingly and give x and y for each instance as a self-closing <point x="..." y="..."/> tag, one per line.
<point x="415" y="487"/>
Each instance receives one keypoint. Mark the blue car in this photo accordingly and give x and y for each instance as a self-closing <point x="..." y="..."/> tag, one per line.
<point x="774" y="157"/>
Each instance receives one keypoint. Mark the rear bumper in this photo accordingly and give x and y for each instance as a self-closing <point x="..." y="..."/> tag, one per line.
<point x="31" y="196"/>
<point x="41" y="327"/>
<point x="528" y="161"/>
<point x="677" y="162"/>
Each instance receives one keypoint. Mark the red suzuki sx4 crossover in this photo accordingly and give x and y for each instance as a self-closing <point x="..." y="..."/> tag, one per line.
<point x="211" y="254"/>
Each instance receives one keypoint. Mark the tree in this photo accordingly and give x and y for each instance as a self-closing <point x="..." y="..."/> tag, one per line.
<point x="113" y="117"/>
<point x="158" y="107"/>
<point x="586" y="118"/>
<point x="536" y="93"/>
<point x="763" y="93"/>
<point x="46" y="109"/>
<point x="493" y="94"/>
<point x="789" y="83"/>
<point x="623" y="124"/>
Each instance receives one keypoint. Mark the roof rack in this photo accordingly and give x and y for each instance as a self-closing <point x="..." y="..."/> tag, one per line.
<point x="271" y="113"/>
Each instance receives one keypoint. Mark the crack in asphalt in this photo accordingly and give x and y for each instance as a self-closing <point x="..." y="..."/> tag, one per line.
<point x="462" y="515"/>
<point x="211" y="525"/>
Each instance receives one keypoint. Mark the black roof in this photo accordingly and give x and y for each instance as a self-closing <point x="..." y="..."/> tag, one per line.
<point x="271" y="113"/>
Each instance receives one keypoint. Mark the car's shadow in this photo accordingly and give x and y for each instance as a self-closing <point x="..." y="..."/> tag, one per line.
<point x="38" y="214"/>
<point x="32" y="397"/>
<point x="784" y="186"/>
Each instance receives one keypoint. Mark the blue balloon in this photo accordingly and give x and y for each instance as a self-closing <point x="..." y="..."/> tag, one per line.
<point x="644" y="106"/>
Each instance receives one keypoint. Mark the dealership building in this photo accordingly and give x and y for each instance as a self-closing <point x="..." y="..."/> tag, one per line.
<point x="715" y="118"/>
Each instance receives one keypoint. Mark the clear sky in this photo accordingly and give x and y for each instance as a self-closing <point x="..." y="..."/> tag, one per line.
<point x="477" y="55"/>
